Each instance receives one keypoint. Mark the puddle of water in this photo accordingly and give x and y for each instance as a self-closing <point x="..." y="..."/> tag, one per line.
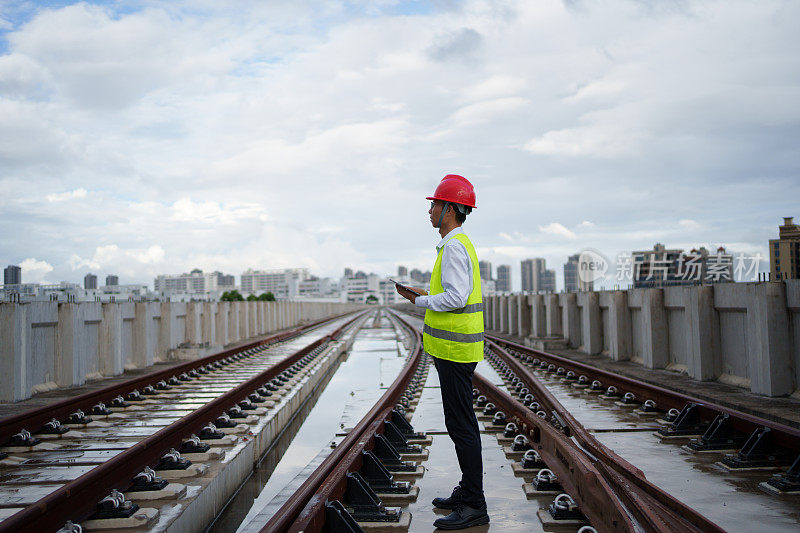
<point x="733" y="501"/>
<point x="351" y="391"/>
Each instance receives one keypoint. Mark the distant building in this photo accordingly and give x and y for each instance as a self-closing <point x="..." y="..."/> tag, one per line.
<point x="112" y="280"/>
<point x="348" y="272"/>
<point x="503" y="282"/>
<point x="784" y="252"/>
<point x="358" y="288"/>
<point x="12" y="275"/>
<point x="318" y="288"/>
<point x="572" y="278"/>
<point x="402" y="271"/>
<point x="225" y="281"/>
<point x="547" y="281"/>
<point x="663" y="267"/>
<point x="417" y="275"/>
<point x="535" y="276"/>
<point x="488" y="287"/>
<point x="486" y="269"/>
<point x="283" y="284"/>
<point x="195" y="283"/>
<point x="89" y="281"/>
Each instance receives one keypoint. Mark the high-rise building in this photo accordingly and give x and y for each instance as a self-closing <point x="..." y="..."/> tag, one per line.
<point x="416" y="275"/>
<point x="112" y="280"/>
<point x="224" y="281"/>
<point x="784" y="252"/>
<point x="547" y="281"/>
<point x="195" y="282"/>
<point x="402" y="271"/>
<point x="503" y="283"/>
<point x="486" y="269"/>
<point x="348" y="272"/>
<point x="572" y="277"/>
<point x="12" y="275"/>
<point x="531" y="270"/>
<point x="89" y="281"/>
<point x="282" y="283"/>
<point x="535" y="276"/>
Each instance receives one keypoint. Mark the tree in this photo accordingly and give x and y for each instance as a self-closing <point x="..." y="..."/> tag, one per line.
<point x="251" y="298"/>
<point x="372" y="299"/>
<point x="266" y="297"/>
<point x="231" y="296"/>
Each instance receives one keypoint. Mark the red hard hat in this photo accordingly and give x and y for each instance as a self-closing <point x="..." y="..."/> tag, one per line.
<point x="456" y="189"/>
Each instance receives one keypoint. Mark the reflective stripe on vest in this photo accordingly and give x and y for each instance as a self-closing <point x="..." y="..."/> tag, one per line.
<point x="452" y="335"/>
<point x="456" y="335"/>
<point x="471" y="308"/>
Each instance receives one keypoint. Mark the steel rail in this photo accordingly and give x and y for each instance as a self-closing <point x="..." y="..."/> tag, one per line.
<point x="34" y="419"/>
<point x="612" y="493"/>
<point x="784" y="436"/>
<point x="573" y="468"/>
<point x="305" y="509"/>
<point x="653" y="507"/>
<point x="78" y="499"/>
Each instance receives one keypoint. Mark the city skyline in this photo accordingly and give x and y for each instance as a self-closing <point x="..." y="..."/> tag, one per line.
<point x="134" y="142"/>
<point x="548" y="280"/>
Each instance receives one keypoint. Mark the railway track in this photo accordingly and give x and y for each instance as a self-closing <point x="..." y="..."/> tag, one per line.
<point x="346" y="492"/>
<point x="96" y="459"/>
<point x="371" y="480"/>
<point x="749" y="443"/>
<point x="351" y="484"/>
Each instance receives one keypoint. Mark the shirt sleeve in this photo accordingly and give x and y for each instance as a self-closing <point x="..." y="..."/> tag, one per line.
<point x="456" y="280"/>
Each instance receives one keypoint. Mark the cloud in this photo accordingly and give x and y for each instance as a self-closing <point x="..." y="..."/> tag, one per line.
<point x="689" y="225"/>
<point x="554" y="228"/>
<point x="185" y="210"/>
<point x="68" y="195"/>
<point x="596" y="140"/>
<point x="235" y="138"/>
<point x="460" y="44"/>
<point x="34" y="270"/>
<point x="485" y="111"/>
<point x="111" y="255"/>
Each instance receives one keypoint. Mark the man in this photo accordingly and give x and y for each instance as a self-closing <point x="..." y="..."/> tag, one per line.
<point x="453" y="335"/>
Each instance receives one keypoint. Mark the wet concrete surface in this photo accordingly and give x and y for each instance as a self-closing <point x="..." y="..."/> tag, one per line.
<point x="62" y="459"/>
<point x="508" y="508"/>
<point x="785" y="410"/>
<point x="50" y="397"/>
<point x="374" y="360"/>
<point x="732" y="500"/>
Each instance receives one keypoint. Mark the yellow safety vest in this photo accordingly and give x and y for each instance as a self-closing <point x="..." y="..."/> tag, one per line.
<point x="456" y="335"/>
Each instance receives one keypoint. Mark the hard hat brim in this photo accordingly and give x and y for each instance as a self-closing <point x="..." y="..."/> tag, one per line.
<point x="449" y="200"/>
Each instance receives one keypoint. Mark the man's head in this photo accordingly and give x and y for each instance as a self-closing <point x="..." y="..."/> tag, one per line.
<point x="454" y="214"/>
<point x="452" y="201"/>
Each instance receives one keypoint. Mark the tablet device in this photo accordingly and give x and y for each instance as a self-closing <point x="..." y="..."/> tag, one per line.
<point x="406" y="288"/>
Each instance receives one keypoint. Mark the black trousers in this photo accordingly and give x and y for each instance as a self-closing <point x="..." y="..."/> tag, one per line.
<point x="462" y="426"/>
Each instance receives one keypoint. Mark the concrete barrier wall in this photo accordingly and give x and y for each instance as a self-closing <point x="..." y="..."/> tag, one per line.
<point x="744" y="334"/>
<point x="46" y="345"/>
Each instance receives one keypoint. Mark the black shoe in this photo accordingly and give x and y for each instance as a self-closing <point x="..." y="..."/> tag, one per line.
<point x="463" y="516"/>
<point x="451" y="501"/>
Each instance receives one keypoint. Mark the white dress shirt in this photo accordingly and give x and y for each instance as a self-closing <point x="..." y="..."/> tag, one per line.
<point x="456" y="276"/>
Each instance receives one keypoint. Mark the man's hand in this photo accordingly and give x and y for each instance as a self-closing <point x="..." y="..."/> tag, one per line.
<point x="408" y="295"/>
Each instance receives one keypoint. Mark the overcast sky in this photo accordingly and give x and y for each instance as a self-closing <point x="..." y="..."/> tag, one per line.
<point x="141" y="138"/>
